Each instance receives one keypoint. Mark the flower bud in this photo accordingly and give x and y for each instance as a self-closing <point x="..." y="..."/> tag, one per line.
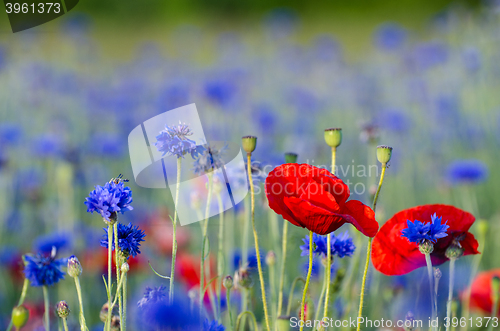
<point x="495" y="288"/>
<point x="270" y="258"/>
<point x="249" y="143"/>
<point x="454" y="252"/>
<point x="125" y="267"/>
<point x="333" y="137"/>
<point x="437" y="273"/>
<point x="384" y="154"/>
<point x="115" y="323"/>
<point x="283" y="323"/>
<point x="62" y="309"/>
<point x="308" y="310"/>
<point x="242" y="278"/>
<point x="74" y="266"/>
<point x="228" y="282"/>
<point x="20" y="316"/>
<point x="291" y="158"/>
<point x="426" y="247"/>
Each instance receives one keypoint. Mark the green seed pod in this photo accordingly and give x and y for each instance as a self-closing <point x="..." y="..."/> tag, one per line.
<point x="283" y="323"/>
<point x="333" y="137"/>
<point x="291" y="158"/>
<point x="249" y="143"/>
<point x="20" y="316"/>
<point x="384" y="153"/>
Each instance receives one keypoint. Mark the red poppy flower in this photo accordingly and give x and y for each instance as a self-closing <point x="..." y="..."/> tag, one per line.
<point x="480" y="293"/>
<point x="393" y="254"/>
<point x="315" y="199"/>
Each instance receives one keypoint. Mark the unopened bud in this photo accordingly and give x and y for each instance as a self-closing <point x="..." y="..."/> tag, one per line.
<point x="228" y="282"/>
<point x="20" y="316"/>
<point x="426" y="247"/>
<point x="125" y="267"/>
<point x="437" y="273"/>
<point x="74" y="266"/>
<point x="271" y="258"/>
<point x="62" y="309"/>
<point x="454" y="252"/>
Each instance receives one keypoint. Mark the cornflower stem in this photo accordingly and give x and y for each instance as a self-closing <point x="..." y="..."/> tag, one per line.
<point x="309" y="271"/>
<point x="282" y="273"/>
<point x="450" y="292"/>
<point x="174" y="234"/>
<point x="272" y="285"/>
<point x="257" y="252"/>
<point x="110" y="252"/>
<point x="369" y="249"/>
<point x="45" y="290"/>
<point x="329" y="251"/>
<point x="431" y="283"/>
<point x="290" y="296"/>
<point x="220" y="254"/>
<point x="26" y="284"/>
<point x="244" y="253"/>
<point x="252" y="317"/>
<point x="321" y="297"/>
<point x="123" y="323"/>
<point x="228" y="300"/>
<point x="83" y="325"/>
<point x="204" y="242"/>
<point x="65" y="323"/>
<point x="118" y="268"/>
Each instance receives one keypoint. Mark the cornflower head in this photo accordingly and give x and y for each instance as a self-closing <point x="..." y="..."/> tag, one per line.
<point x="152" y="296"/>
<point x="173" y="140"/>
<point x="420" y="233"/>
<point x="342" y="245"/>
<point x="209" y="159"/>
<point x="212" y="326"/>
<point x="129" y="239"/>
<point x="109" y="199"/>
<point x="319" y="245"/>
<point x="43" y="269"/>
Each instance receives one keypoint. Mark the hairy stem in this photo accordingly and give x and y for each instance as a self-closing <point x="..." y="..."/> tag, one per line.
<point x="309" y="271"/>
<point x="174" y="234"/>
<point x="450" y="292"/>
<point x="282" y="273"/>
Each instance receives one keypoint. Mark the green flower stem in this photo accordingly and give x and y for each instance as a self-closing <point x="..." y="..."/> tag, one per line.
<point x="220" y="254"/>
<point x="204" y="242"/>
<point x="240" y="316"/>
<point x="494" y="310"/>
<point x="47" y="307"/>
<point x="26" y="284"/>
<point x="65" y="323"/>
<point x="272" y="285"/>
<point x="118" y="268"/>
<point x="309" y="271"/>
<point x="290" y="296"/>
<point x="257" y="252"/>
<point x="174" y="235"/>
<point x="228" y="300"/>
<point x="244" y="252"/>
<point x="328" y="274"/>
<point x="83" y="325"/>
<point x="450" y="292"/>
<point x="123" y="323"/>
<point x="321" y="297"/>
<point x="431" y="282"/>
<point x="369" y="249"/>
<point x="110" y="252"/>
<point x="282" y="275"/>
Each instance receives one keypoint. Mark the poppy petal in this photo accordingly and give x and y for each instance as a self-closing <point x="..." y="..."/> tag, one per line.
<point x="361" y="216"/>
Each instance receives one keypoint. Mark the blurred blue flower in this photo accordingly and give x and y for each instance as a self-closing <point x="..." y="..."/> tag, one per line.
<point x="251" y="259"/>
<point x="319" y="242"/>
<point x="390" y="36"/>
<point x="43" y="269"/>
<point x="9" y="256"/>
<point x="265" y="118"/>
<point x="106" y="145"/>
<point x="470" y="171"/>
<point x="221" y="91"/>
<point x="48" y="145"/>
<point x="429" y="54"/>
<point x="45" y="243"/>
<point x="471" y="57"/>
<point x="327" y="49"/>
<point x="10" y="133"/>
<point x="448" y="109"/>
<point x="212" y="326"/>
<point x="173" y="140"/>
<point x="113" y="197"/>
<point x="418" y="232"/>
<point x="394" y="120"/>
<point x="129" y="239"/>
<point x="343" y="245"/>
<point x="152" y="295"/>
<point x="164" y="316"/>
<point x="210" y="158"/>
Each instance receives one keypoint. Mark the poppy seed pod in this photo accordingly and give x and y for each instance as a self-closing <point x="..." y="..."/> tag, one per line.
<point x="20" y="316"/>
<point x="291" y="158"/>
<point x="62" y="309"/>
<point x="249" y="143"/>
<point x="333" y="137"/>
<point x="384" y="154"/>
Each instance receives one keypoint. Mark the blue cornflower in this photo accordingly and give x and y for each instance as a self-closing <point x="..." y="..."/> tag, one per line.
<point x="343" y="245"/>
<point x="152" y="295"/>
<point x="390" y="36"/>
<point x="45" y="243"/>
<point x="164" y="316"/>
<point x="418" y="232"/>
<point x="173" y="140"/>
<point x="212" y="326"/>
<point x="43" y="269"/>
<point x="251" y="259"/>
<point x="209" y="159"/>
<point x="109" y="199"/>
<point x="467" y="172"/>
<point x="320" y="247"/>
<point x="129" y="239"/>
